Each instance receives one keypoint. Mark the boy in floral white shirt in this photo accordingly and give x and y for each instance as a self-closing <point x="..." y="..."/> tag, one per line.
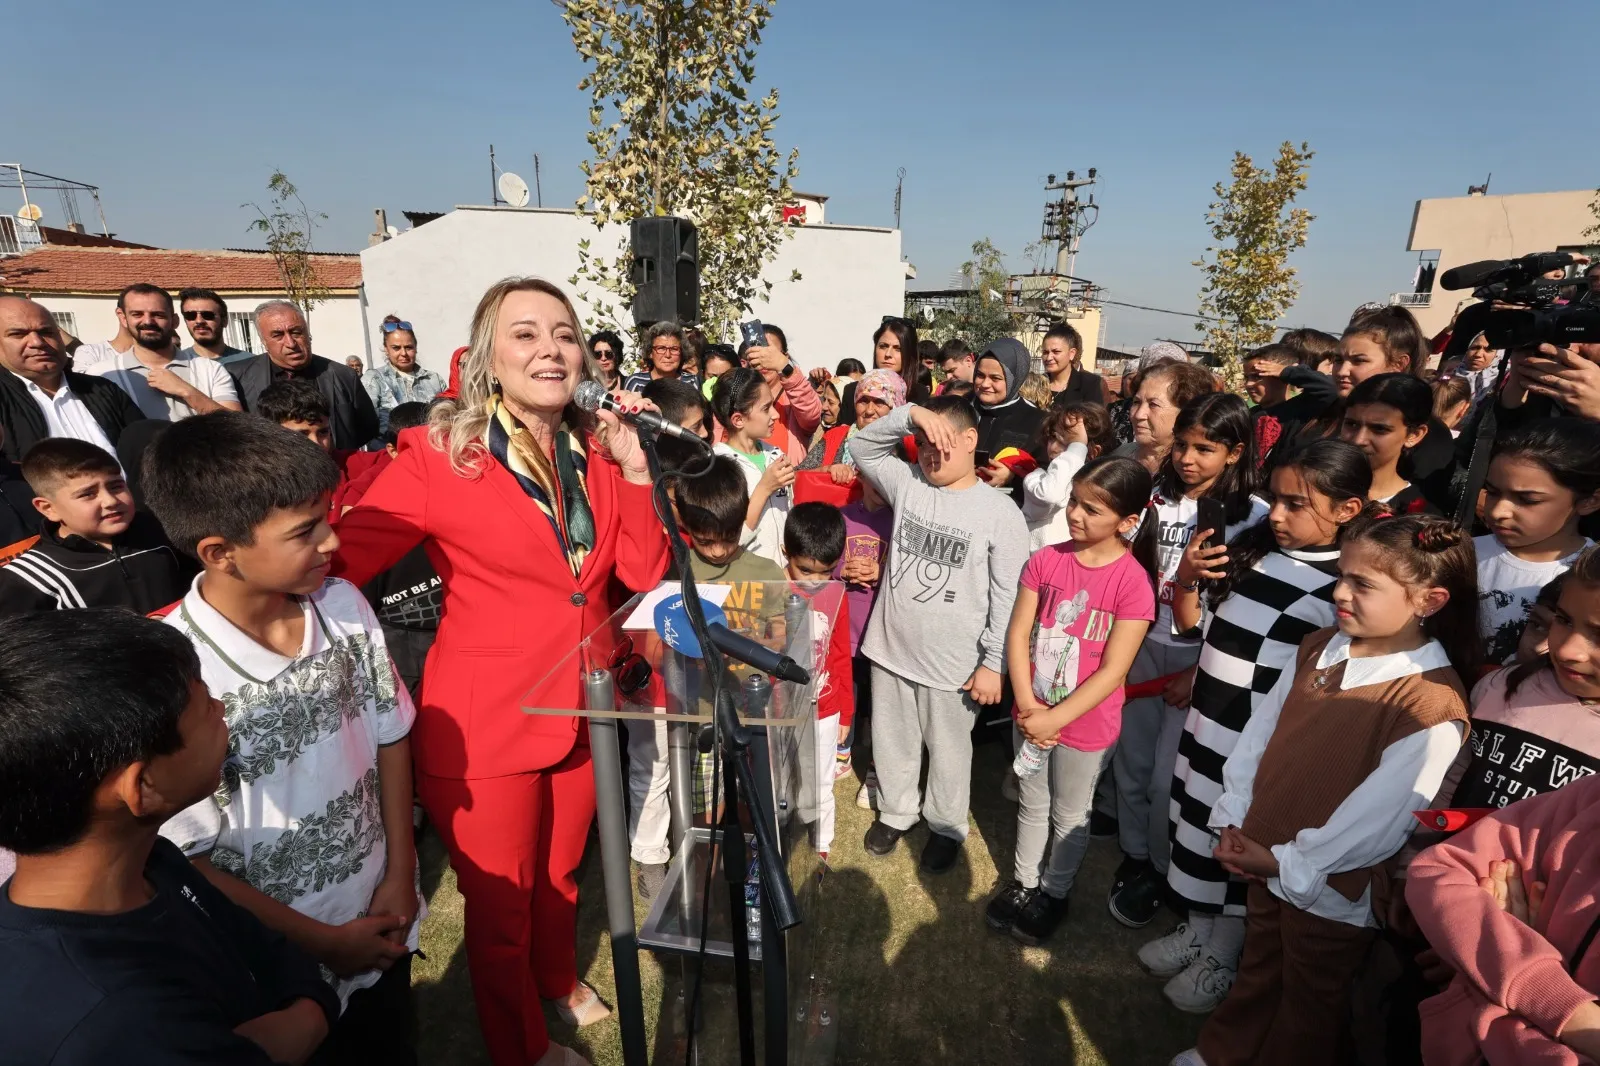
<point x="311" y="828"/>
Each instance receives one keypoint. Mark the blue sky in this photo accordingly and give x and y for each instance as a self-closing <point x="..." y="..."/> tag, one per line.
<point x="179" y="111"/>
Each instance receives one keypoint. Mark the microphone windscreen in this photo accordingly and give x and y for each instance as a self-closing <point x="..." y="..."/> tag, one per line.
<point x="672" y="624"/>
<point x="1470" y="275"/>
<point x="590" y="395"/>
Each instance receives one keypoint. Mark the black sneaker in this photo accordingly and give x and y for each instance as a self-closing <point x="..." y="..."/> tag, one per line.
<point x="939" y="854"/>
<point x="1038" y="920"/>
<point x="1136" y="903"/>
<point x="881" y="839"/>
<point x="1128" y="870"/>
<point x="1002" y="911"/>
<point x="1102" y="826"/>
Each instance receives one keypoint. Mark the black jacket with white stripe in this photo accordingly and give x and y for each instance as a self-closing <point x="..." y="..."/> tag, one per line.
<point x="141" y="572"/>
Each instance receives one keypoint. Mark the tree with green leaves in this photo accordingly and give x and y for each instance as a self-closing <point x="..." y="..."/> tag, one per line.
<point x="1592" y="234"/>
<point x="287" y="227"/>
<point x="676" y="129"/>
<point x="979" y="314"/>
<point x="1249" y="283"/>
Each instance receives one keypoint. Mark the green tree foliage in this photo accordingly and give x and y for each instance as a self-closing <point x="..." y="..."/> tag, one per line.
<point x="979" y="314"/>
<point x="1249" y="283"/>
<point x="287" y="229"/>
<point x="676" y="130"/>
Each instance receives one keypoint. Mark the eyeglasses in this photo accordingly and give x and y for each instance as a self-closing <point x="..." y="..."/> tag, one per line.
<point x="895" y="320"/>
<point x="632" y="672"/>
<point x="204" y="316"/>
<point x="666" y="349"/>
<point x="390" y="327"/>
<point x="604" y="353"/>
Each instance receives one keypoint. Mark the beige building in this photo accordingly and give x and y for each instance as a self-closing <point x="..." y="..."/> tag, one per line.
<point x="1450" y="231"/>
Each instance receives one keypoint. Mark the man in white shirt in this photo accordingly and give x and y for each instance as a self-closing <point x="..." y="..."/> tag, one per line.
<point x="40" y="398"/>
<point x="165" y="388"/>
<point x="205" y="316"/>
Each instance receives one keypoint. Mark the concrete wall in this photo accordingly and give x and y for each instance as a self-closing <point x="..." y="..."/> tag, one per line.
<point x="336" y="326"/>
<point x="1465" y="229"/>
<point x="435" y="274"/>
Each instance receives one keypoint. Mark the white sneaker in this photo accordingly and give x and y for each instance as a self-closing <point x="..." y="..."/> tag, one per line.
<point x="1202" y="987"/>
<point x="867" y="794"/>
<point x="1170" y="955"/>
<point x="1188" y="1058"/>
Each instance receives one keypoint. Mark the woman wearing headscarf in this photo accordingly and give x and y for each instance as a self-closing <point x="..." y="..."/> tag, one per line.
<point x="876" y="394"/>
<point x="1005" y="419"/>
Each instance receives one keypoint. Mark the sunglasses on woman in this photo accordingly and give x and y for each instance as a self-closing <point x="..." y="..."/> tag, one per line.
<point x="390" y="327"/>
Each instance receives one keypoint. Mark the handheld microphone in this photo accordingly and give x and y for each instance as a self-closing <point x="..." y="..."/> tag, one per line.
<point x="592" y="396"/>
<point x="672" y="625"/>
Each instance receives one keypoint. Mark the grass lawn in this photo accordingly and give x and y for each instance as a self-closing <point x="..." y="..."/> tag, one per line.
<point x="914" y="974"/>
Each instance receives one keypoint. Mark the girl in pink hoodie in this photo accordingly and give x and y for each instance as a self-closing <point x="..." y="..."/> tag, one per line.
<point x="1527" y="967"/>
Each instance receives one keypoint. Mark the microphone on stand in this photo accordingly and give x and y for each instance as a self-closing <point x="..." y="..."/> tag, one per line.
<point x="592" y="396"/>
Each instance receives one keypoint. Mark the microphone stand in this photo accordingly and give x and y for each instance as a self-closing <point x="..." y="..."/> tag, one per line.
<point x="732" y="739"/>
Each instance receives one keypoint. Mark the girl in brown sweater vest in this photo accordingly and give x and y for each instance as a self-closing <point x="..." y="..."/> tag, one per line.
<point x="1318" y="793"/>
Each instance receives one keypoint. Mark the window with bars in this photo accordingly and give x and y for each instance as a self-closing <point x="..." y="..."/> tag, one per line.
<point x="241" y="332"/>
<point x="66" y="321"/>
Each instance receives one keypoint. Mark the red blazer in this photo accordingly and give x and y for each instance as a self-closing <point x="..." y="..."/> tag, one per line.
<point x="512" y="609"/>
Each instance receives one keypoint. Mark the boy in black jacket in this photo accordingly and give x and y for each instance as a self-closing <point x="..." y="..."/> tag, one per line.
<point x="95" y="548"/>
<point x="116" y="948"/>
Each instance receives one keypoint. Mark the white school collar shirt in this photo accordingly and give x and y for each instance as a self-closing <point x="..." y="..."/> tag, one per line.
<point x="297" y="815"/>
<point x="1375" y="820"/>
<point x="65" y="415"/>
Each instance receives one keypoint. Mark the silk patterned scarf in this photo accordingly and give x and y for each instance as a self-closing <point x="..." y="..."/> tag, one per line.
<point x="560" y="489"/>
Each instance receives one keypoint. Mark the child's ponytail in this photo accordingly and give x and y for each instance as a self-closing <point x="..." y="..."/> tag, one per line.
<point x="1428" y="552"/>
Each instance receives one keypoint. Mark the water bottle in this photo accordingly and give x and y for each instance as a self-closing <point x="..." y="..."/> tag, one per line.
<point x="1030" y="760"/>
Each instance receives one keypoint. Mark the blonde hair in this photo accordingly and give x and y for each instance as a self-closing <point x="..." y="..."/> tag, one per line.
<point x="1036" y="390"/>
<point x="461" y="428"/>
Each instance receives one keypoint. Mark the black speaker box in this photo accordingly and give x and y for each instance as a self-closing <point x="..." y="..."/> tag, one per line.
<point x="665" y="270"/>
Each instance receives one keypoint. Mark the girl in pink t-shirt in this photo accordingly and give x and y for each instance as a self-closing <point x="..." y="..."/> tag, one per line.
<point x="1082" y="610"/>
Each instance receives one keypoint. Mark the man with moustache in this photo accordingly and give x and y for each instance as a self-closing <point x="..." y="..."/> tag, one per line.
<point x="287" y="337"/>
<point x="40" y="398"/>
<point x="164" y="387"/>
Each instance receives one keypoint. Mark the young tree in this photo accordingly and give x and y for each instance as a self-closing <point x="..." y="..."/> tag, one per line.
<point x="675" y="130"/>
<point x="1592" y="234"/>
<point x="979" y="315"/>
<point x="287" y="228"/>
<point x="1249" y="283"/>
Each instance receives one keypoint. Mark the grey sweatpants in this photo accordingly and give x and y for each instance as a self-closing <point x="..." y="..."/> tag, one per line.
<point x="1055" y="808"/>
<point x="1147" y="751"/>
<point x="906" y="717"/>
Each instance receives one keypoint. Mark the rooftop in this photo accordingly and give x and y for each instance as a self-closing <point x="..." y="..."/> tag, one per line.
<point x="53" y="269"/>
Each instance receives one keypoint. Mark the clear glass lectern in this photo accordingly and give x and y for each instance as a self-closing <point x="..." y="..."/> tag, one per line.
<point x="625" y="670"/>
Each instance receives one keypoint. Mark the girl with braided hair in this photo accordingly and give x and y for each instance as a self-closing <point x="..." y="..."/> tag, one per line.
<point x="1318" y="793"/>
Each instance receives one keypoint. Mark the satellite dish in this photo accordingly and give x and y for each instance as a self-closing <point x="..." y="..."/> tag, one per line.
<point x="30" y="212"/>
<point x="393" y="232"/>
<point x="513" y="190"/>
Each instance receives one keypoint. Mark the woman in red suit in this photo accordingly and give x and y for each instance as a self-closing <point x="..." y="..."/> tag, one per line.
<point x="527" y="507"/>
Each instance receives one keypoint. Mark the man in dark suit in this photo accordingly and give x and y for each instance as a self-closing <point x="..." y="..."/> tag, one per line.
<point x="287" y="335"/>
<point x="40" y="397"/>
<point x="1069" y="382"/>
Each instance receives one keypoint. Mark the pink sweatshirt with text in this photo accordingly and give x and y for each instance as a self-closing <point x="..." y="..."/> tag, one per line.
<point x="1515" y="986"/>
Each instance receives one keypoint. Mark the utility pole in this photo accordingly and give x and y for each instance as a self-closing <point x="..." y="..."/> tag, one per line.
<point x="1068" y="218"/>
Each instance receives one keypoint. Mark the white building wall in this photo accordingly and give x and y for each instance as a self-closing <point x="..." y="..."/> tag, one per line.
<point x="434" y="275"/>
<point x="336" y="326"/>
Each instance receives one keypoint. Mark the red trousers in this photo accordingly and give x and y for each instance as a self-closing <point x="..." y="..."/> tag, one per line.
<point x="515" y="843"/>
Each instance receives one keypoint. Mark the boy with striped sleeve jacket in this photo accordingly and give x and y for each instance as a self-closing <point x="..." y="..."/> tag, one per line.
<point x="95" y="549"/>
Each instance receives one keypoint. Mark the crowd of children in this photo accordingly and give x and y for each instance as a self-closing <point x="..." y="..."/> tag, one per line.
<point x="1246" y="634"/>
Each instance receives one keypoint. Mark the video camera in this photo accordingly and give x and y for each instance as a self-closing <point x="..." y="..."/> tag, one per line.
<point x="1533" y="320"/>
